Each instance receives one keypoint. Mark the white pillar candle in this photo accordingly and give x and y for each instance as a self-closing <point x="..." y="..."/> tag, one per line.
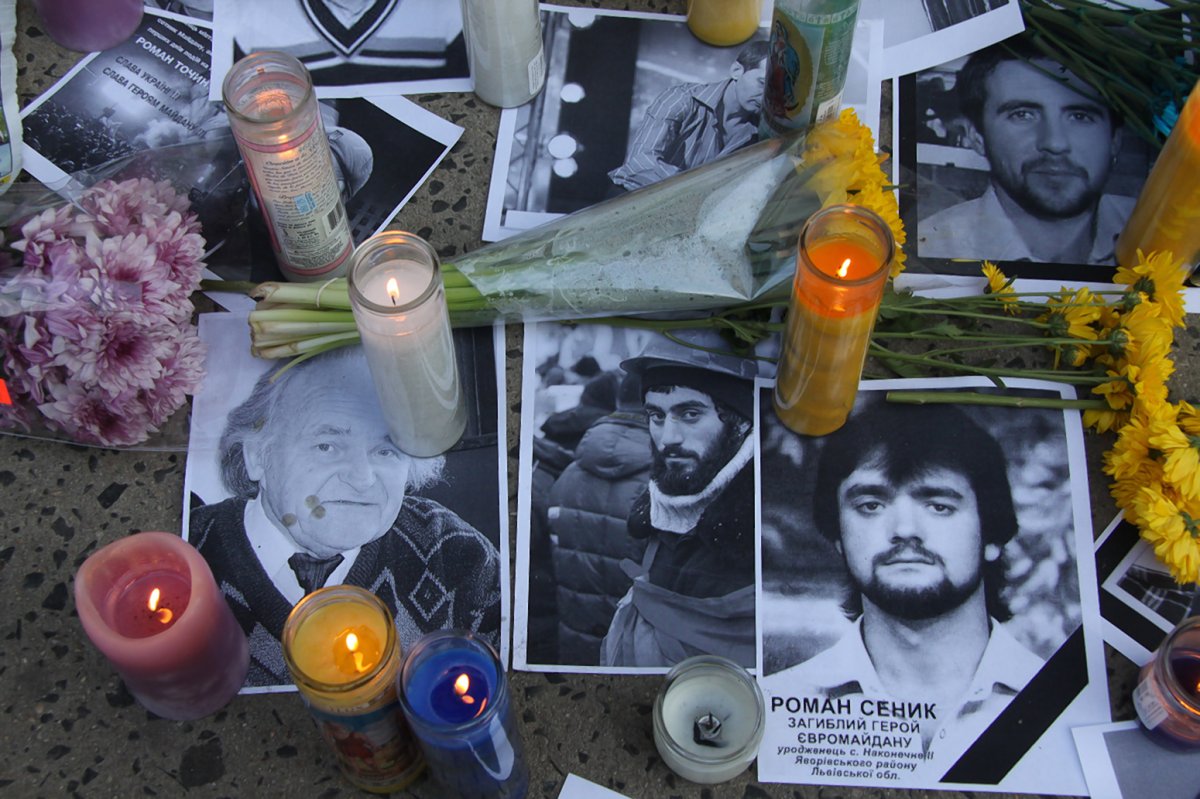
<point x="399" y="305"/>
<point x="708" y="719"/>
<point x="504" y="50"/>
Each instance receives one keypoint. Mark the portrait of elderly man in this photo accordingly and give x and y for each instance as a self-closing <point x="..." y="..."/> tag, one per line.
<point x="1050" y="145"/>
<point x="321" y="496"/>
<point x="917" y="502"/>
<point x="693" y="592"/>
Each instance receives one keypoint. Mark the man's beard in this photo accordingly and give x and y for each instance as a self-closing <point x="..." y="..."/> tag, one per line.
<point x="684" y="479"/>
<point x="1034" y="193"/>
<point x="916" y="603"/>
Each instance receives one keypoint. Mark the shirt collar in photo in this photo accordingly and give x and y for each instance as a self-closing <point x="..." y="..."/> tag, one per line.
<point x="273" y="548"/>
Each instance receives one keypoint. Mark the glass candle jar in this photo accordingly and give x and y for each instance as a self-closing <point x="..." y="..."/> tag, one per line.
<point x="723" y="22"/>
<point x="842" y="264"/>
<point x="504" y="50"/>
<point x="341" y="648"/>
<point x="1167" y="697"/>
<point x="274" y="116"/>
<point x="709" y="718"/>
<point x="456" y="697"/>
<point x="399" y="304"/>
<point x="1166" y="216"/>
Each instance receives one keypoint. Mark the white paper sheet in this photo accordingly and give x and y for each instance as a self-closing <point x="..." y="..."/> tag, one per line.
<point x="1122" y="762"/>
<point x="997" y="741"/>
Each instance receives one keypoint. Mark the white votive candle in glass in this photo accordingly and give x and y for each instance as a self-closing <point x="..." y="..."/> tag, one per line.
<point x="504" y="50"/>
<point x="399" y="305"/>
<point x="709" y="718"/>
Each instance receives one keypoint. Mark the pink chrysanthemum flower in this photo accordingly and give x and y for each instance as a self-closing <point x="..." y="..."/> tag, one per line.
<point x="95" y="325"/>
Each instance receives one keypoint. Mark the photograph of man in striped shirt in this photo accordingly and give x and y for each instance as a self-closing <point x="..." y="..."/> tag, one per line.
<point x="690" y="124"/>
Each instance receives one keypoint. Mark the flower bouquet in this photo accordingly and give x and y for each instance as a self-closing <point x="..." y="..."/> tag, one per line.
<point x="720" y="235"/>
<point x="96" y="340"/>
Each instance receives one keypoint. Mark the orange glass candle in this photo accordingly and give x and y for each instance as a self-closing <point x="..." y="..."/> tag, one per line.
<point x="341" y="648"/>
<point x="723" y="22"/>
<point x="842" y="266"/>
<point x="1167" y="214"/>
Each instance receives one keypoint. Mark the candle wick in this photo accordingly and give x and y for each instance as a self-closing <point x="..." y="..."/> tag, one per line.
<point x="393" y="299"/>
<point x="706" y="730"/>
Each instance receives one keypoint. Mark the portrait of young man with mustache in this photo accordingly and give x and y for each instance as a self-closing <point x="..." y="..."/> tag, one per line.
<point x="1050" y="144"/>
<point x="917" y="502"/>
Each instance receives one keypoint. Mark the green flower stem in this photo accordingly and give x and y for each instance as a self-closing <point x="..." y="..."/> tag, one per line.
<point x="299" y="315"/>
<point x="976" y="398"/>
<point x="307" y="345"/>
<point x="1074" y="378"/>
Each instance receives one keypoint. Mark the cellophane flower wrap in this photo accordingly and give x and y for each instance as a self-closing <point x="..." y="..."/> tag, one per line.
<point x="96" y="340"/>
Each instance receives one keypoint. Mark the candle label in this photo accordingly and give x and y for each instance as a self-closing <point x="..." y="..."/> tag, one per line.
<point x="302" y="202"/>
<point x="375" y="749"/>
<point x="1146" y="702"/>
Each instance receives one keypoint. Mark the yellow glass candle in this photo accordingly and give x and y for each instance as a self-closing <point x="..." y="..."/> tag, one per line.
<point x="341" y="648"/>
<point x="723" y="22"/>
<point x="842" y="265"/>
<point x="1167" y="214"/>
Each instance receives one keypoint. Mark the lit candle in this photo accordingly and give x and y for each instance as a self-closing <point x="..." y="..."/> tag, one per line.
<point x="151" y="606"/>
<point x="842" y="266"/>
<point x="341" y="648"/>
<point x="723" y="22"/>
<point x="399" y="305"/>
<point x="455" y="696"/>
<point x="276" y="121"/>
<point x="708" y="719"/>
<point x="1167" y="697"/>
<point x="1167" y="214"/>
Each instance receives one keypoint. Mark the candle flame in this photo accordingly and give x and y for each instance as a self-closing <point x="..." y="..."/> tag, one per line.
<point x="164" y="615"/>
<point x="352" y="645"/>
<point x="844" y="269"/>
<point x="393" y="290"/>
<point x="461" y="686"/>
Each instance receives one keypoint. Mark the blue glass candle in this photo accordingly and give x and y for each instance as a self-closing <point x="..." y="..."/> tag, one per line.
<point x="455" y="696"/>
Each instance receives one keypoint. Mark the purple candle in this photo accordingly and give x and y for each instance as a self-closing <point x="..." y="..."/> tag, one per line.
<point x="89" y="25"/>
<point x="151" y="606"/>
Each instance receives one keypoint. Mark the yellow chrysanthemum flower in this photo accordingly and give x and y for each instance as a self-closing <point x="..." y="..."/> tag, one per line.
<point x="1160" y="278"/>
<point x="1131" y="451"/>
<point x="1172" y="526"/>
<point x="1000" y="285"/>
<point x="1178" y="451"/>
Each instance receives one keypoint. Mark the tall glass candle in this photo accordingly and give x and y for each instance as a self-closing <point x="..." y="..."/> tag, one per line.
<point x="723" y="22"/>
<point x="842" y="265"/>
<point x="708" y="719"/>
<point x="273" y="112"/>
<point x="1167" y="697"/>
<point x="504" y="50"/>
<point x="341" y="648"/>
<point x="811" y="42"/>
<point x="456" y="697"/>
<point x="151" y="606"/>
<point x="1167" y="213"/>
<point x="89" y="25"/>
<point x="399" y="305"/>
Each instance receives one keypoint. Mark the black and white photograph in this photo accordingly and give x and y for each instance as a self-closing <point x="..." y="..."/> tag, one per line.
<point x="293" y="483"/>
<point x="635" y="539"/>
<point x="918" y="34"/>
<point x="1122" y="762"/>
<point x="192" y="9"/>
<point x="1140" y="601"/>
<point x="1014" y="160"/>
<point x="630" y="99"/>
<point x="142" y="107"/>
<point x="352" y="48"/>
<point x="924" y="613"/>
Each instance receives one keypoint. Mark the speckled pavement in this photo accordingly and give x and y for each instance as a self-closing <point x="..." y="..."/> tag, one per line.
<point x="68" y="727"/>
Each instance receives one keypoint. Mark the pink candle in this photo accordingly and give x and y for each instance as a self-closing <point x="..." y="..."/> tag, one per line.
<point x="88" y="25"/>
<point x="151" y="606"/>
